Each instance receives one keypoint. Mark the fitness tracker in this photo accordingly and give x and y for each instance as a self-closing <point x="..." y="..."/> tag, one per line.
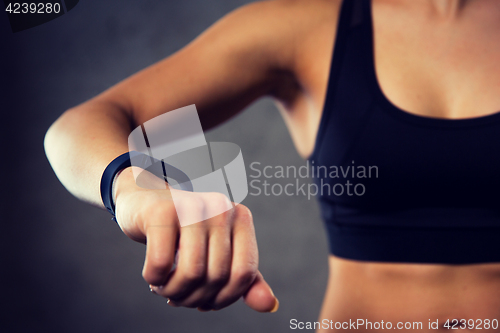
<point x="147" y="163"/>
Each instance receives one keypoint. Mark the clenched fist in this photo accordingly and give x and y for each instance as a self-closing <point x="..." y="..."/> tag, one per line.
<point x="216" y="260"/>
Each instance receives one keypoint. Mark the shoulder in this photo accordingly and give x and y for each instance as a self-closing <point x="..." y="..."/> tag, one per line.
<point x="294" y="38"/>
<point x="282" y="29"/>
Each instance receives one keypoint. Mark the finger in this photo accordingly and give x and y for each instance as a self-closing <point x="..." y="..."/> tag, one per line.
<point x="244" y="262"/>
<point x="218" y="263"/>
<point x="260" y="296"/>
<point x="192" y="260"/>
<point x="161" y="239"/>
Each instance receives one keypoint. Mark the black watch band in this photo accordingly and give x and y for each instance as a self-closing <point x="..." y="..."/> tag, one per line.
<point x="108" y="176"/>
<point x="157" y="167"/>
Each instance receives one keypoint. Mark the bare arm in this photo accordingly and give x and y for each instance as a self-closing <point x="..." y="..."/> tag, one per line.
<point x="246" y="55"/>
<point x="230" y="65"/>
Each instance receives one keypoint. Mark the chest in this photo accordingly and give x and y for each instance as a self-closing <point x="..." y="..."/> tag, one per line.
<point x="425" y="68"/>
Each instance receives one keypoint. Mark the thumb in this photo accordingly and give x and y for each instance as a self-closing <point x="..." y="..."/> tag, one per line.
<point x="260" y="296"/>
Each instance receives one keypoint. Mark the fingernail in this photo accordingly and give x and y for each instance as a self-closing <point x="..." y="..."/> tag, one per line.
<point x="152" y="290"/>
<point x="276" y="306"/>
<point x="171" y="303"/>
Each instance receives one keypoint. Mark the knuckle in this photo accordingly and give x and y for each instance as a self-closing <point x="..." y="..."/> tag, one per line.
<point x="164" y="212"/>
<point x="155" y="273"/>
<point x="221" y="220"/>
<point x="189" y="210"/>
<point x="160" y="261"/>
<point x="220" y="277"/>
<point x="245" y="276"/>
<point x="195" y="274"/>
<point x="219" y="201"/>
<point x="190" y="203"/>
<point x="217" y="206"/>
<point x="152" y="278"/>
<point x="243" y="214"/>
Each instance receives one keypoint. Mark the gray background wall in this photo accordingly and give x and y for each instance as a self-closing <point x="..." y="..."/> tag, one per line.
<point x="66" y="267"/>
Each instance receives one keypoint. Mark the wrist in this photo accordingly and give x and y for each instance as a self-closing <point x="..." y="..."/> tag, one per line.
<point x="119" y="177"/>
<point x="125" y="181"/>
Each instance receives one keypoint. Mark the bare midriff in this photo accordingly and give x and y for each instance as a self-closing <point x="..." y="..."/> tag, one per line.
<point x="409" y="294"/>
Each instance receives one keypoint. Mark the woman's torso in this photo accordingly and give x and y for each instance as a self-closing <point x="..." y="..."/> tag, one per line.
<point x="430" y="61"/>
<point x="412" y="294"/>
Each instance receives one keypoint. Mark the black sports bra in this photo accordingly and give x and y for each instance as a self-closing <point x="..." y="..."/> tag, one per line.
<point x="398" y="187"/>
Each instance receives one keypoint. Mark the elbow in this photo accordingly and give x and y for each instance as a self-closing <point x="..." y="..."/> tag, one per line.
<point x="51" y="137"/>
<point x="54" y="135"/>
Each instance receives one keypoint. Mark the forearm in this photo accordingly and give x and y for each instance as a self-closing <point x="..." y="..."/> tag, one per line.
<point x="226" y="68"/>
<point x="83" y="141"/>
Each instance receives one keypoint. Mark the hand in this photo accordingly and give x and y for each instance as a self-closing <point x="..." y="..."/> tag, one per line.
<point x="217" y="258"/>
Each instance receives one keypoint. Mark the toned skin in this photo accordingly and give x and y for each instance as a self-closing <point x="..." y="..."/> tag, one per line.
<point x="434" y="58"/>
